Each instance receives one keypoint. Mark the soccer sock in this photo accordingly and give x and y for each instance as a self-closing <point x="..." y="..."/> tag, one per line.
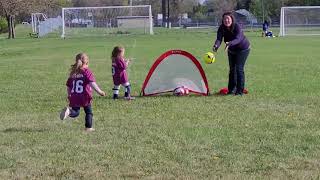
<point x="127" y="90"/>
<point x="116" y="92"/>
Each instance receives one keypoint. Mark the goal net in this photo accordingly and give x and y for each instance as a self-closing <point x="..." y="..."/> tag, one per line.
<point x="42" y="26"/>
<point x="175" y="68"/>
<point x="300" y="20"/>
<point x="101" y="21"/>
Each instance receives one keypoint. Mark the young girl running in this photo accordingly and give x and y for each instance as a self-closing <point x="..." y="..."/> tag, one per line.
<point x="80" y="83"/>
<point x="119" y="73"/>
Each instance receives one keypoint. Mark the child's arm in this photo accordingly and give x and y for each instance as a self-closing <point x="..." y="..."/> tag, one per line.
<point x="124" y="63"/>
<point x="95" y="86"/>
<point x="68" y="91"/>
<point x="127" y="62"/>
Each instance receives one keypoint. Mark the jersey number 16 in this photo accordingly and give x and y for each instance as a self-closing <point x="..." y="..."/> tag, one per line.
<point x="77" y="86"/>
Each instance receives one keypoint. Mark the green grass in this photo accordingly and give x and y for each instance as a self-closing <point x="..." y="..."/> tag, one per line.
<point x="271" y="133"/>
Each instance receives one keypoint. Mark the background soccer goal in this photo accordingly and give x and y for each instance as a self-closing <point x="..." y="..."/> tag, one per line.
<point x="100" y="21"/>
<point x="41" y="25"/>
<point x="300" y="20"/>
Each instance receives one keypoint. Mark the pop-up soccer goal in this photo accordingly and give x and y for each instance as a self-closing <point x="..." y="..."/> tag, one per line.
<point x="175" y="68"/>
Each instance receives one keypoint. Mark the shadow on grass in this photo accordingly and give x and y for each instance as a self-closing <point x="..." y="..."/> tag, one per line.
<point x="217" y="94"/>
<point x="169" y="96"/>
<point x="23" y="130"/>
<point x="165" y="96"/>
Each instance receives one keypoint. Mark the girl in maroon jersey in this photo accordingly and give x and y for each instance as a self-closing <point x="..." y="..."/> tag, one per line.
<point x="119" y="73"/>
<point x="80" y="83"/>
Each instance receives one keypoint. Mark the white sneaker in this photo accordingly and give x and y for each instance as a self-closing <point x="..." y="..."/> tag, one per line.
<point x="129" y="98"/>
<point x="89" y="129"/>
<point x="64" y="113"/>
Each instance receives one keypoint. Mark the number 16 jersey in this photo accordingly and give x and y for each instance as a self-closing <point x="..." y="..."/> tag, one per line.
<point x="79" y="89"/>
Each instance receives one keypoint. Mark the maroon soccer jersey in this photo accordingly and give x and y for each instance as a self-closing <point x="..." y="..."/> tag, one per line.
<point x="80" y="91"/>
<point x="119" y="73"/>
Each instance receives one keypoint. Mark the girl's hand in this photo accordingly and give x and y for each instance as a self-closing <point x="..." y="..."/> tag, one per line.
<point x="102" y="93"/>
<point x="130" y="59"/>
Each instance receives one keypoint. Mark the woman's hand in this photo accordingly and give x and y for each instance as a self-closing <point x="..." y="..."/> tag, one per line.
<point x="214" y="48"/>
<point x="227" y="46"/>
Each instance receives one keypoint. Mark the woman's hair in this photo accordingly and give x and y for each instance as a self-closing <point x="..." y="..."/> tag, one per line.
<point x="229" y="13"/>
<point x="115" y="52"/>
<point x="81" y="59"/>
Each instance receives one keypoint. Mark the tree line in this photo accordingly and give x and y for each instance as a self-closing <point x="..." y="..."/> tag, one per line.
<point x="15" y="11"/>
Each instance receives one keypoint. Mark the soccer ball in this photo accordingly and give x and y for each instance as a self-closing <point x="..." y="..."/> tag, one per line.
<point x="181" y="91"/>
<point x="209" y="58"/>
<point x="186" y="91"/>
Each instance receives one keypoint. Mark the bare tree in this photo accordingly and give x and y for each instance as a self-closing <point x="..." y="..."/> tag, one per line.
<point x="164" y="12"/>
<point x="243" y="4"/>
<point x="221" y="6"/>
<point x="92" y="3"/>
<point x="183" y="6"/>
<point x="12" y="8"/>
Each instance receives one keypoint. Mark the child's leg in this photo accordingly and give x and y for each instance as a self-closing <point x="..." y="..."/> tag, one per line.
<point x="69" y="112"/>
<point x="74" y="112"/>
<point x="116" y="89"/>
<point x="127" y="91"/>
<point x="89" y="116"/>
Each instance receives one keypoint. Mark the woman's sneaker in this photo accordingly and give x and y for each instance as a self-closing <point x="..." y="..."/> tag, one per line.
<point x="129" y="98"/>
<point x="65" y="112"/>
<point x="89" y="129"/>
<point x="238" y="94"/>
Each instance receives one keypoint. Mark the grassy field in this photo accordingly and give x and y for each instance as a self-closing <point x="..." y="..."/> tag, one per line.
<point x="271" y="133"/>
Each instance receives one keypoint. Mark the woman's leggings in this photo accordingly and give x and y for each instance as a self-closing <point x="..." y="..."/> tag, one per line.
<point x="237" y="60"/>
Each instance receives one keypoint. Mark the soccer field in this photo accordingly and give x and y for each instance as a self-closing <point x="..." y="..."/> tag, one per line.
<point x="273" y="132"/>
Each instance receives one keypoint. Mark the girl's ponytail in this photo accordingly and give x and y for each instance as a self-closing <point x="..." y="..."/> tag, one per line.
<point x="81" y="59"/>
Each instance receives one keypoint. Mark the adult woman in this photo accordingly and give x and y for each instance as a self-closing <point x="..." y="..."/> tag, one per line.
<point x="238" y="48"/>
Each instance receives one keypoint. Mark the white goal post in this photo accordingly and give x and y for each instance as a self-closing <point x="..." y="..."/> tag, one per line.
<point x="42" y="25"/>
<point x="300" y="21"/>
<point x="100" y="21"/>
